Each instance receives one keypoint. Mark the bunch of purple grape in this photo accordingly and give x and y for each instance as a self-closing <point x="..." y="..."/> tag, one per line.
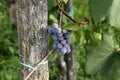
<point x="61" y="39"/>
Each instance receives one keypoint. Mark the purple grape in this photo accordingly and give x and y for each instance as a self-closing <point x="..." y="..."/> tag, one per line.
<point x="54" y="37"/>
<point x="54" y="31"/>
<point x="67" y="34"/>
<point x="68" y="50"/>
<point x="67" y="40"/>
<point x="59" y="34"/>
<point x="55" y="25"/>
<point x="60" y="38"/>
<point x="63" y="50"/>
<point x="63" y="42"/>
<point x="50" y="30"/>
<point x="59" y="30"/>
<point x="56" y="42"/>
<point x="67" y="47"/>
<point x="59" y="46"/>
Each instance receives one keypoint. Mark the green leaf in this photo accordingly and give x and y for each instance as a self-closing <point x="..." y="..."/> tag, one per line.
<point x="53" y="18"/>
<point x="11" y="49"/>
<point x="96" y="55"/>
<point x="102" y="10"/>
<point x="99" y="9"/>
<point x="97" y="35"/>
<point x="71" y="26"/>
<point x="8" y="76"/>
<point x="72" y="38"/>
<point x="51" y="4"/>
<point x="65" y="1"/>
<point x="110" y="69"/>
<point x="114" y="17"/>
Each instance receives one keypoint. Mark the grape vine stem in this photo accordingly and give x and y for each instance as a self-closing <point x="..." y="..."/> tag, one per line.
<point x="60" y="19"/>
<point x="84" y="21"/>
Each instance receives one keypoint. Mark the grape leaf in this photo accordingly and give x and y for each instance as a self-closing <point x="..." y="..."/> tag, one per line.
<point x="53" y="18"/>
<point x="96" y="55"/>
<point x="110" y="69"/>
<point x="102" y="10"/>
<point x="65" y="1"/>
<point x="114" y="17"/>
<point x="97" y="35"/>
<point x="71" y="26"/>
<point x="51" y="4"/>
<point x="99" y="9"/>
<point x="72" y="38"/>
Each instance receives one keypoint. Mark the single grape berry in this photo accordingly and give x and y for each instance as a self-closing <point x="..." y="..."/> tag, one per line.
<point x="67" y="34"/>
<point x="68" y="48"/>
<point x="59" y="34"/>
<point x="54" y="31"/>
<point x="67" y="40"/>
<point x="56" y="41"/>
<point x="59" y="46"/>
<point x="55" y="25"/>
<point x="63" y="50"/>
<point x="66" y="45"/>
<point x="58" y="30"/>
<point x="50" y="30"/>
<point x="54" y="37"/>
<point x="63" y="42"/>
<point x="60" y="38"/>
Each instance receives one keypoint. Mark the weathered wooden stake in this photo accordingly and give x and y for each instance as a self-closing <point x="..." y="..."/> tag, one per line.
<point x="32" y="30"/>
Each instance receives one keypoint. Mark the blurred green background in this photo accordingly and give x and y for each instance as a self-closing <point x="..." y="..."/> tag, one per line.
<point x="9" y="63"/>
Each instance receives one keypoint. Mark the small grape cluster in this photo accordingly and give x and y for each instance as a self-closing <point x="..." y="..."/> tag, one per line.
<point x="61" y="39"/>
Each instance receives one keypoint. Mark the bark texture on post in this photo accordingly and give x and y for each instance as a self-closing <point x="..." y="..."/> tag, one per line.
<point x="32" y="30"/>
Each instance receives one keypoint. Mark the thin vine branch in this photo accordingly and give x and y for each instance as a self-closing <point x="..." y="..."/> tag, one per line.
<point x="60" y="19"/>
<point x="39" y="64"/>
<point x="85" y="20"/>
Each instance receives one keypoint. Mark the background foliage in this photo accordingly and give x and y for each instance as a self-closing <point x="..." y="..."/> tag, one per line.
<point x="9" y="66"/>
<point x="96" y="44"/>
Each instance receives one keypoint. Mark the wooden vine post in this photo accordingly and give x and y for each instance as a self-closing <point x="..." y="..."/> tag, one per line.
<point x="32" y="30"/>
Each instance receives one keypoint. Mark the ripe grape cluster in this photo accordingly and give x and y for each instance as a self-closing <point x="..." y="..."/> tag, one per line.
<point x="61" y="39"/>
